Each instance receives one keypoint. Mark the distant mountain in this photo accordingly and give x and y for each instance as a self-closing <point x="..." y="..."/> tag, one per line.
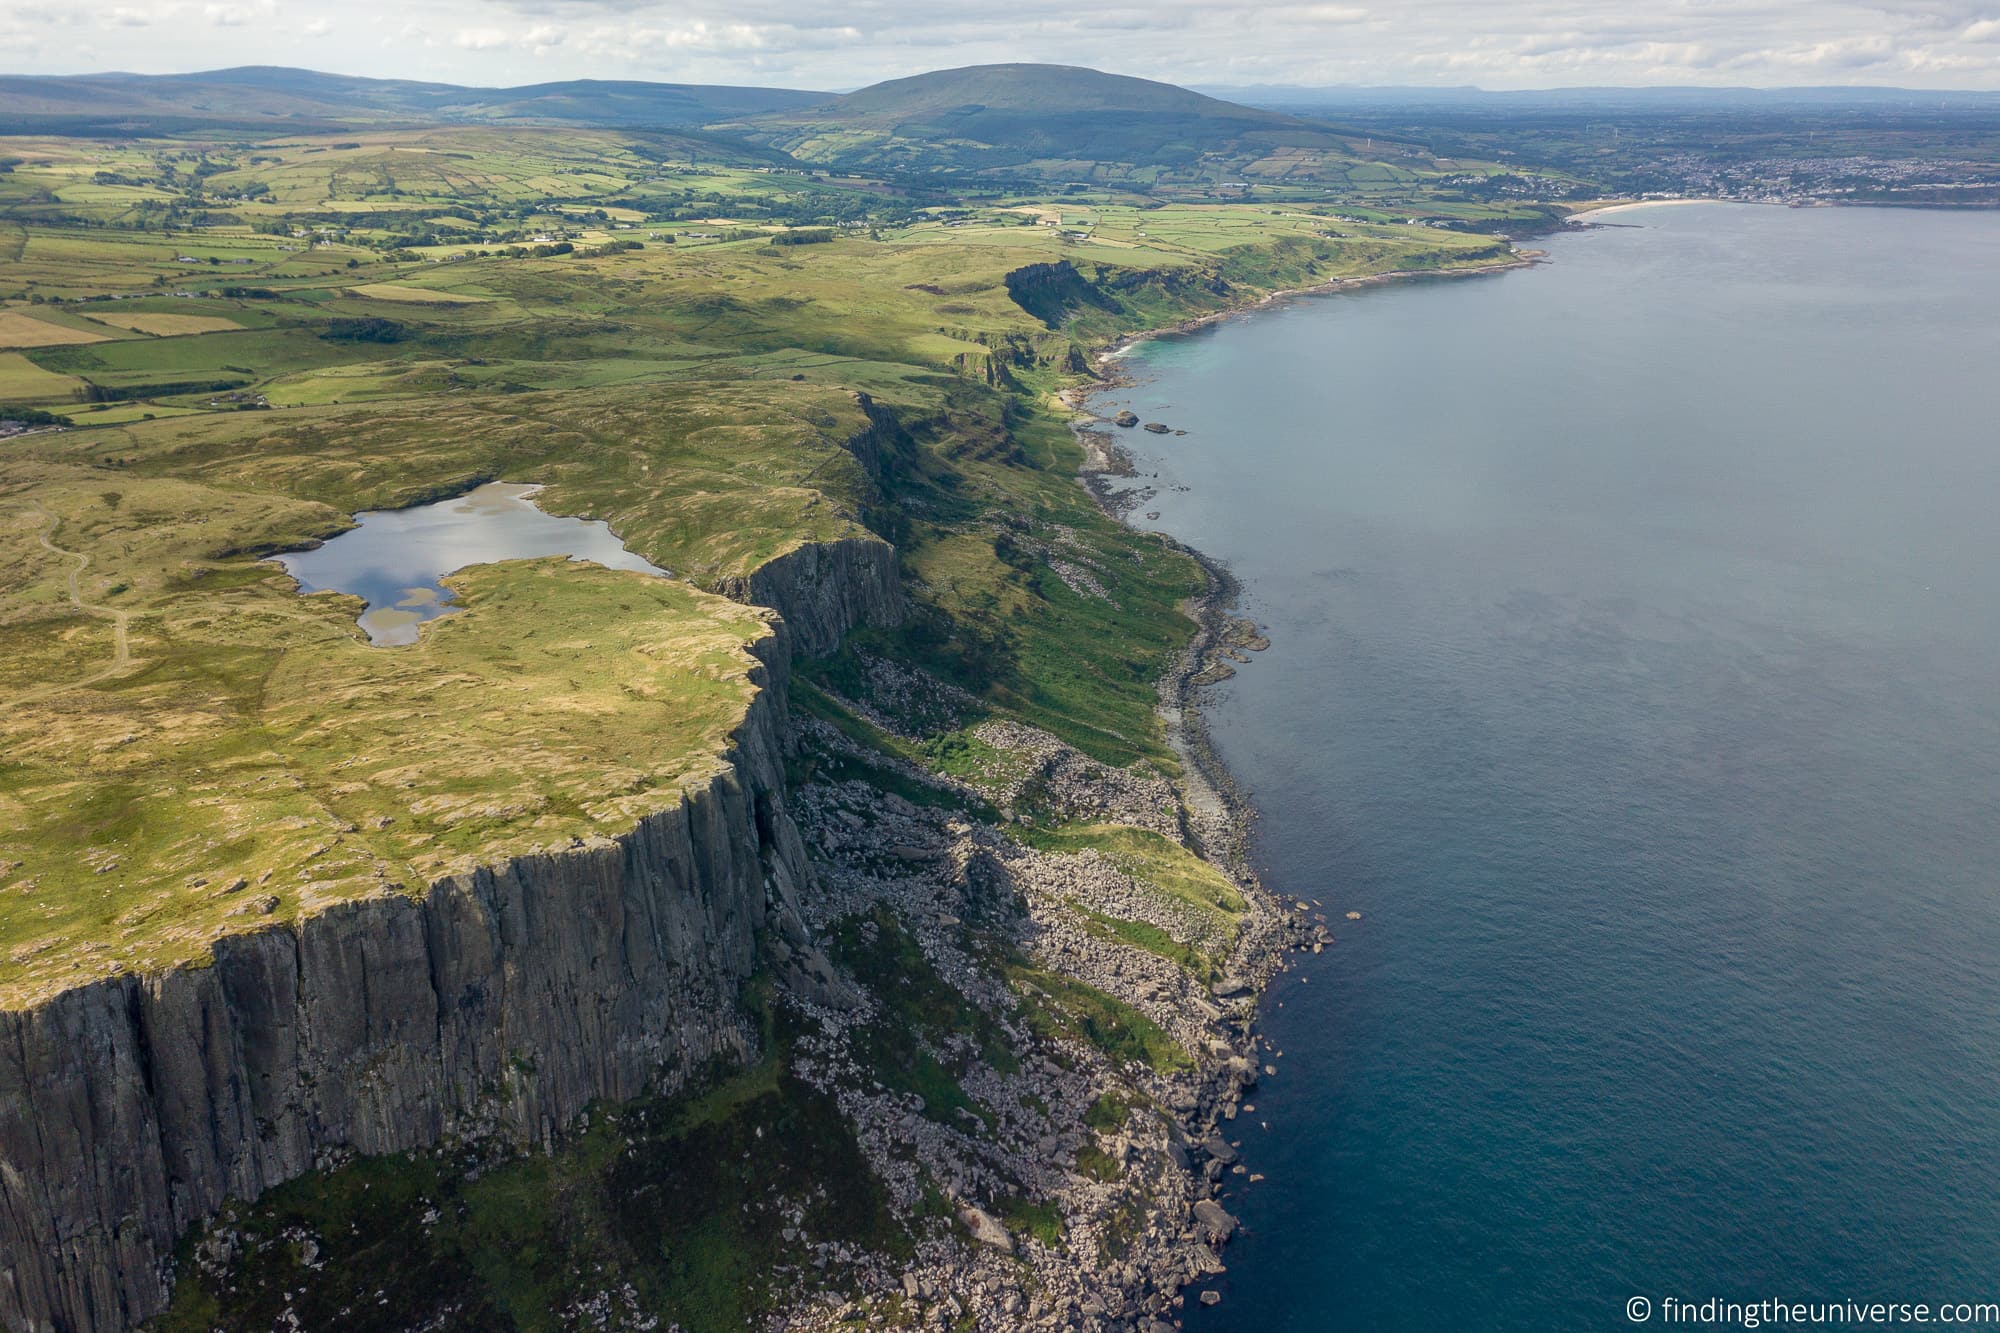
<point x="1661" y="99"/>
<point x="262" y="96"/>
<point x="1050" y="120"/>
<point x="977" y="95"/>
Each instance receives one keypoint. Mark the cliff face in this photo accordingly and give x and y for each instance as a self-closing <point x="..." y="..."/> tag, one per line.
<point x="498" y="1002"/>
<point x="1054" y="292"/>
<point x="824" y="589"/>
<point x="503" y="1000"/>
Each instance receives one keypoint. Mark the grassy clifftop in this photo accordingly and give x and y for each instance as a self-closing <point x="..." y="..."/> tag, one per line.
<point x="330" y="325"/>
<point x="193" y="747"/>
<point x="233" y="754"/>
<point x="1010" y="947"/>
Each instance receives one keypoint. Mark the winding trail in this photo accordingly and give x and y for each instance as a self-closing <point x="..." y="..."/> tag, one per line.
<point x="121" y="655"/>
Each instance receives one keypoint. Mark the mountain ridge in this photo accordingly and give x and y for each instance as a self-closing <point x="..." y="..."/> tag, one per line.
<point x="1018" y="120"/>
<point x="251" y="96"/>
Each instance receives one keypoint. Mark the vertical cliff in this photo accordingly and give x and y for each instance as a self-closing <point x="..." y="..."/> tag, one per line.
<point x="504" y="1000"/>
<point x="823" y="589"/>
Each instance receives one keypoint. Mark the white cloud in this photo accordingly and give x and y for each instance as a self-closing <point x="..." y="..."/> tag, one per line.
<point x="233" y="15"/>
<point x="1320" y="13"/>
<point x="42" y="16"/>
<point x="1841" y="53"/>
<point x="1498" y="43"/>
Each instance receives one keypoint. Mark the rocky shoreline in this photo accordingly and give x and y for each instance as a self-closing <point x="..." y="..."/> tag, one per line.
<point x="1171" y="1149"/>
<point x="1140" y="1186"/>
<point x="1137" y="1187"/>
<point x="950" y="870"/>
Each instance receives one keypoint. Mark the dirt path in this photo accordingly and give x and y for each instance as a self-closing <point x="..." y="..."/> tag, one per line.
<point x="121" y="621"/>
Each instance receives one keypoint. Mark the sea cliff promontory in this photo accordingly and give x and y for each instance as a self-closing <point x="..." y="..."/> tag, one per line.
<point x="869" y="940"/>
<point x="503" y="999"/>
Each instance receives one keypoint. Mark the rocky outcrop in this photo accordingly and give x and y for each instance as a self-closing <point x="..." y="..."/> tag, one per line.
<point x="824" y="589"/>
<point x="498" y="1002"/>
<point x="1054" y="292"/>
<point x="875" y="445"/>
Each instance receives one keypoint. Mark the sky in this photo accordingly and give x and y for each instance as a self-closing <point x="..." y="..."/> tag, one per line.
<point x="836" y="45"/>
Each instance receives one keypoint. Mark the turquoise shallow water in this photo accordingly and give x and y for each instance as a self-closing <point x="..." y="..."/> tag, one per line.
<point x="1637" y="675"/>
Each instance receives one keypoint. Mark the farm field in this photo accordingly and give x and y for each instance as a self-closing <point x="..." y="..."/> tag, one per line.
<point x="165" y="324"/>
<point x="18" y="328"/>
<point x="25" y="383"/>
<point x="315" y="326"/>
<point x="390" y="291"/>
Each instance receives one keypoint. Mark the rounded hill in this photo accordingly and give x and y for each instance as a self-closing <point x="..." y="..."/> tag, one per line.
<point x="1048" y="120"/>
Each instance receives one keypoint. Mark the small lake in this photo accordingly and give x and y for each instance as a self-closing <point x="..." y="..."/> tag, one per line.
<point x="397" y="559"/>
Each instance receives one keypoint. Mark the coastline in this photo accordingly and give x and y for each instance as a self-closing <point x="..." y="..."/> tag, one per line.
<point x="1216" y="800"/>
<point x="1107" y="458"/>
<point x="1106" y="361"/>
<point x="1215" y="806"/>
<point x="1220" y="636"/>
<point x="1182" y="1224"/>
<point x="1358" y="1179"/>
<point x="1606" y="210"/>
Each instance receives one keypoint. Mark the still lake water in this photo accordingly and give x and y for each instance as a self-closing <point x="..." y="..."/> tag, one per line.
<point x="1637" y="675"/>
<point x="397" y="558"/>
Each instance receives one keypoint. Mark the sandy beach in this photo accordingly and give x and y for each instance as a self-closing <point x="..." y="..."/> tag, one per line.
<point x="1635" y="205"/>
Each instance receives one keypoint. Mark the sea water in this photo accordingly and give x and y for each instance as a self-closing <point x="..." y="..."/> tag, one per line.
<point x="1636" y="675"/>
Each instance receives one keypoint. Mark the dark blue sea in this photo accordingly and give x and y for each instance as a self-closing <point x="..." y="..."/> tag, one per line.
<point x="1636" y="675"/>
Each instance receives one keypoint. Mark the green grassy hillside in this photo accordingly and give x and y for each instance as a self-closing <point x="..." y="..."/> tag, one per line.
<point x="1055" y="90"/>
<point x="335" y="340"/>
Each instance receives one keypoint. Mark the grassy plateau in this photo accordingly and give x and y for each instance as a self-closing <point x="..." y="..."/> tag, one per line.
<point x="220" y="344"/>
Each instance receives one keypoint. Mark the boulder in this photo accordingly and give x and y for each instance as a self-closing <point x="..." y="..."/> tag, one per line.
<point x="1214" y="1220"/>
<point x="986" y="1228"/>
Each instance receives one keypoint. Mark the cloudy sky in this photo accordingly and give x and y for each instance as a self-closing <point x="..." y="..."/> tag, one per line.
<point x="831" y="44"/>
